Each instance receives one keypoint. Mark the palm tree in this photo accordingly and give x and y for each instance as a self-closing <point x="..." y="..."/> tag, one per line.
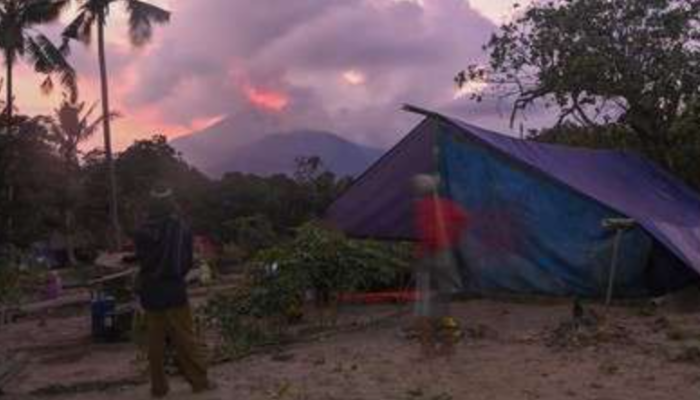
<point x="93" y="13"/>
<point x="71" y="125"/>
<point x="19" y="37"/>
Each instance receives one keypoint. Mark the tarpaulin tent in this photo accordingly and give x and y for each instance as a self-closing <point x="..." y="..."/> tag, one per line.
<point x="536" y="211"/>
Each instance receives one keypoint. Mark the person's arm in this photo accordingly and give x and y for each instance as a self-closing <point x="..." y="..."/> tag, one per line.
<point x="187" y="249"/>
<point x="138" y="255"/>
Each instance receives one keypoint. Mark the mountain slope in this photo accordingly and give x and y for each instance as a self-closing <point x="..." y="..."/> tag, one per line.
<point x="216" y="150"/>
<point x="207" y="147"/>
<point x="277" y="154"/>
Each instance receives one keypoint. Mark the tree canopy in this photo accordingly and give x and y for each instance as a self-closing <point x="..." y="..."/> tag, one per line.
<point x="633" y="62"/>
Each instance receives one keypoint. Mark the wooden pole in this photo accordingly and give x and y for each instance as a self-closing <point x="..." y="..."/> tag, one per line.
<point x="619" y="226"/>
<point x="613" y="269"/>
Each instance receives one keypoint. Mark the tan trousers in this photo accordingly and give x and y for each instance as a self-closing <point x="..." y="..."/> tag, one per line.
<point x="177" y="325"/>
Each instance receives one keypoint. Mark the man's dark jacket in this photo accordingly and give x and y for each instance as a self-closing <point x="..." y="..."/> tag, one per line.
<point x="164" y="251"/>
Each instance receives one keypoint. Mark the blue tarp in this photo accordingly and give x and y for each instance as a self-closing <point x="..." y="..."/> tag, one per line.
<point x="537" y="211"/>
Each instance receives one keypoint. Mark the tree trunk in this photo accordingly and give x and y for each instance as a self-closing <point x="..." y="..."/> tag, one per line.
<point x="113" y="210"/>
<point x="70" y="243"/>
<point x="9" y="61"/>
<point x="10" y="221"/>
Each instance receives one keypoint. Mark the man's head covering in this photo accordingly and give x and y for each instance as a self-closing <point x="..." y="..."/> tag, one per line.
<point x="161" y="192"/>
<point x="162" y="202"/>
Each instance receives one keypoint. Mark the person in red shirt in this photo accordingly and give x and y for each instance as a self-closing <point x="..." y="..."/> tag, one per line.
<point x="439" y="224"/>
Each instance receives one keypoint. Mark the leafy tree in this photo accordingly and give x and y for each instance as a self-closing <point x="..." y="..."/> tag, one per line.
<point x="71" y="125"/>
<point x="149" y="162"/>
<point x="30" y="191"/>
<point x="632" y="62"/>
<point x="142" y="16"/>
<point x="93" y="207"/>
<point x="138" y="168"/>
<point x="684" y="132"/>
<point x="253" y="233"/>
<point x="319" y="184"/>
<point x="19" y="37"/>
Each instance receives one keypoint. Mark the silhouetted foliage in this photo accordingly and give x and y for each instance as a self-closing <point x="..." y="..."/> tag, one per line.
<point x="681" y="157"/>
<point x="248" y="210"/>
<point x="635" y="63"/>
<point x="19" y="38"/>
<point x="93" y="14"/>
<point x="31" y="181"/>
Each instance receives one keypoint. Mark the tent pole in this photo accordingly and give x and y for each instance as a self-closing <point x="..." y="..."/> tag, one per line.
<point x="613" y="269"/>
<point x="619" y="226"/>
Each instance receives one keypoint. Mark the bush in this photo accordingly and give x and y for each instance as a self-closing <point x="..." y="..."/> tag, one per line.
<point x="328" y="263"/>
<point x="10" y="292"/>
<point x="316" y="259"/>
<point x="18" y="279"/>
<point x="240" y="326"/>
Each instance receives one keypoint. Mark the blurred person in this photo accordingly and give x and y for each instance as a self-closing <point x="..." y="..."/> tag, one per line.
<point x="164" y="250"/>
<point x="440" y="224"/>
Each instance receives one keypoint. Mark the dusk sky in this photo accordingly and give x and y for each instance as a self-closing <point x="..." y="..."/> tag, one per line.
<point x="340" y="65"/>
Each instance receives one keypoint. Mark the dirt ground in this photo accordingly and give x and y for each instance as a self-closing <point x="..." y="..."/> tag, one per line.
<point x="511" y="350"/>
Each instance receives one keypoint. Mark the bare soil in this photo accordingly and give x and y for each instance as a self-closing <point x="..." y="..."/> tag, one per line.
<point x="510" y="350"/>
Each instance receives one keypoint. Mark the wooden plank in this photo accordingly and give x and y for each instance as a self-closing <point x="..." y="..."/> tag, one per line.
<point x="113" y="277"/>
<point x="114" y="261"/>
<point x="77" y="299"/>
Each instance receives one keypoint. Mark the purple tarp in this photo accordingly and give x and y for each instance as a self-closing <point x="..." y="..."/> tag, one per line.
<point x="379" y="203"/>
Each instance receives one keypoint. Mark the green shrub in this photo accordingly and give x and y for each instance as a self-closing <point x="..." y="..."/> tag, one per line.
<point x="328" y="263"/>
<point x="10" y="292"/>
<point x="232" y="314"/>
<point x="271" y="297"/>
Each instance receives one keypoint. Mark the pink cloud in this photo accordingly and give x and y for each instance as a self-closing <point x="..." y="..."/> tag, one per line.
<point x="267" y="99"/>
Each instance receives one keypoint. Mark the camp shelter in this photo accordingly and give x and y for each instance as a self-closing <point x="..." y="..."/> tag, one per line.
<point x="537" y="212"/>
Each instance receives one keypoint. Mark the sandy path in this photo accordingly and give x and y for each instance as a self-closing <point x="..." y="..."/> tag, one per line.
<point x="510" y="361"/>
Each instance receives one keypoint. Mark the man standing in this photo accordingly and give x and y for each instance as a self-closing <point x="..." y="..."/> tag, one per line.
<point x="164" y="251"/>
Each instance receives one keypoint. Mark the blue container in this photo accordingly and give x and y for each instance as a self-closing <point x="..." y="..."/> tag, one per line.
<point x="102" y="307"/>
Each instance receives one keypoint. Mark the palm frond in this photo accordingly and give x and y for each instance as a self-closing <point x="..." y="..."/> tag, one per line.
<point x="80" y="28"/>
<point x="95" y="125"/>
<point x="49" y="60"/>
<point x="41" y="62"/>
<point x="97" y="6"/>
<point x="61" y="65"/>
<point x="56" y="134"/>
<point x="88" y="114"/>
<point x="142" y="16"/>
<point x="47" y="85"/>
<point x="68" y="118"/>
<point x="37" y="12"/>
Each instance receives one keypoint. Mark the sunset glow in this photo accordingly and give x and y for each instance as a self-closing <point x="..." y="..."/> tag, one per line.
<point x="354" y="77"/>
<point x="267" y="99"/>
<point x="469" y="88"/>
<point x="205" y="122"/>
<point x="174" y="93"/>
